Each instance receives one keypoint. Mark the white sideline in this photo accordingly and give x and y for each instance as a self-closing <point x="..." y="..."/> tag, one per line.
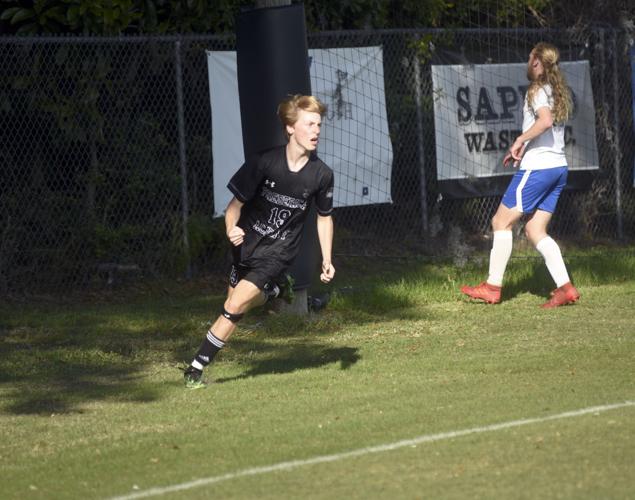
<point x="283" y="466"/>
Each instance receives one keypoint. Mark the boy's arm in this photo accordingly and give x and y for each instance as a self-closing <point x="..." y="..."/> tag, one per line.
<point x="325" y="235"/>
<point x="232" y="215"/>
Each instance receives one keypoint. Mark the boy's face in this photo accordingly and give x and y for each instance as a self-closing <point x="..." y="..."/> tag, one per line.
<point x="306" y="131"/>
<point x="534" y="67"/>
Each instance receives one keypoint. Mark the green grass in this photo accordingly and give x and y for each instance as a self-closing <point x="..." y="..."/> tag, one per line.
<point x="92" y="405"/>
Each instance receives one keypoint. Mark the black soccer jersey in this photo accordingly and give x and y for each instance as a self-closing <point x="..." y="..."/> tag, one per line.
<point x="276" y="202"/>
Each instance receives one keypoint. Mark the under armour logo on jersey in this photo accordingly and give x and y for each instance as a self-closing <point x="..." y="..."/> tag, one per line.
<point x="270" y="183"/>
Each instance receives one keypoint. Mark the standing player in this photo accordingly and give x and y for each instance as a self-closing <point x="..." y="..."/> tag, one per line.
<point x="272" y="193"/>
<point x="536" y="187"/>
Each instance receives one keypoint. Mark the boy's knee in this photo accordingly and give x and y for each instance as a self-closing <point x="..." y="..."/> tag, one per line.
<point x="231" y="312"/>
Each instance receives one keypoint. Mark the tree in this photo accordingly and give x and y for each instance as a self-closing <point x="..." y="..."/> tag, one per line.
<point x="115" y="17"/>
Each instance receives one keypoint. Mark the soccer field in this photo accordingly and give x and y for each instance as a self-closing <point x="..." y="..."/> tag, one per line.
<point x="400" y="388"/>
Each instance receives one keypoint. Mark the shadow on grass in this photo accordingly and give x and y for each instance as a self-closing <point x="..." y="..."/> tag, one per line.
<point x="533" y="277"/>
<point x="60" y="358"/>
<point x="398" y="298"/>
<point x="287" y="359"/>
<point x="535" y="281"/>
<point x="66" y="393"/>
<point x="37" y="377"/>
<point x="61" y="369"/>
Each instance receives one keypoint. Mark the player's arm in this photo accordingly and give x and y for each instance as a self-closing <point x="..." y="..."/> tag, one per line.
<point x="243" y="185"/>
<point x="232" y="215"/>
<point x="544" y="121"/>
<point x="325" y="235"/>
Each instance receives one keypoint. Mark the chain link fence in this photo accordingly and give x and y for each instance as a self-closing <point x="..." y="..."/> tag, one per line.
<point x="106" y="155"/>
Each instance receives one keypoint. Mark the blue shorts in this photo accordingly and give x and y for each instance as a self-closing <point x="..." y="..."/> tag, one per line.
<point x="532" y="190"/>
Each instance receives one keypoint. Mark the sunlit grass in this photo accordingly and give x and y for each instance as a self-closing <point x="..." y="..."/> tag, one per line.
<point x="92" y="404"/>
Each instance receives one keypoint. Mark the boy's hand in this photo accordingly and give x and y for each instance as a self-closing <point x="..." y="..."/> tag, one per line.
<point x="328" y="271"/>
<point x="236" y="235"/>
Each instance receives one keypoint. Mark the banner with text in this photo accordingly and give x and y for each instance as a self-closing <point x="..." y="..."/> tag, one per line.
<point x="478" y="114"/>
<point x="354" y="140"/>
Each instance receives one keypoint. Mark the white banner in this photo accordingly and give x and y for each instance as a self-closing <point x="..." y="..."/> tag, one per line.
<point x="354" y="141"/>
<point x="478" y="114"/>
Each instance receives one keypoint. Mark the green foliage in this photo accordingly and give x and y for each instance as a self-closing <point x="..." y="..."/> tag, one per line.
<point x="107" y="18"/>
<point x="35" y="17"/>
<point x="378" y="14"/>
<point x="365" y="14"/>
<point x="81" y="207"/>
<point x="113" y="17"/>
<point x="192" y="16"/>
<point x="206" y="236"/>
<point x="75" y="16"/>
<point x="111" y="242"/>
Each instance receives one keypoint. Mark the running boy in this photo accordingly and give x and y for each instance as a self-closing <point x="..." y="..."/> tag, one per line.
<point x="272" y="192"/>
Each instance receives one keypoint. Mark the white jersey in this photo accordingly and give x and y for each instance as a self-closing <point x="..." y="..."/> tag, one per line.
<point x="546" y="150"/>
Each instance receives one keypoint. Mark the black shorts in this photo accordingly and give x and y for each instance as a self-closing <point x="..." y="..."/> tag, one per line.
<point x="260" y="274"/>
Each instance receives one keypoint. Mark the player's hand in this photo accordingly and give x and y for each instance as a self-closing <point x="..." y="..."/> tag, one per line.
<point x="517" y="150"/>
<point x="236" y="235"/>
<point x="515" y="153"/>
<point x="328" y="271"/>
<point x="508" y="159"/>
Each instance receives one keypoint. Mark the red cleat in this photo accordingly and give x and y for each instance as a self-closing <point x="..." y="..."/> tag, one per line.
<point x="566" y="294"/>
<point x="483" y="291"/>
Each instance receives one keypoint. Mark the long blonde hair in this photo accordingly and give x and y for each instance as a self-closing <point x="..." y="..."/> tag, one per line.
<point x="549" y="56"/>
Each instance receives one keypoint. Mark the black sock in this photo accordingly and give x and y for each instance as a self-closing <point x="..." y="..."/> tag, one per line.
<point x="208" y="350"/>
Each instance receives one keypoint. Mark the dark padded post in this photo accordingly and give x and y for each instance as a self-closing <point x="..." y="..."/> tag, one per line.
<point x="272" y="63"/>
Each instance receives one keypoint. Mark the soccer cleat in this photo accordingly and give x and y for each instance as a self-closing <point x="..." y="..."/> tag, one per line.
<point x="286" y="288"/>
<point x="271" y="291"/>
<point x="193" y="378"/>
<point x="483" y="291"/>
<point x="566" y="294"/>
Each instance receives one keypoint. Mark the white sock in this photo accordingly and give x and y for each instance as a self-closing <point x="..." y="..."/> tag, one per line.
<point x="553" y="258"/>
<point x="499" y="257"/>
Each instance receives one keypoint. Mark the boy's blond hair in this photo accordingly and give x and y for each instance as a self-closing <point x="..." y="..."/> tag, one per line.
<point x="288" y="109"/>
